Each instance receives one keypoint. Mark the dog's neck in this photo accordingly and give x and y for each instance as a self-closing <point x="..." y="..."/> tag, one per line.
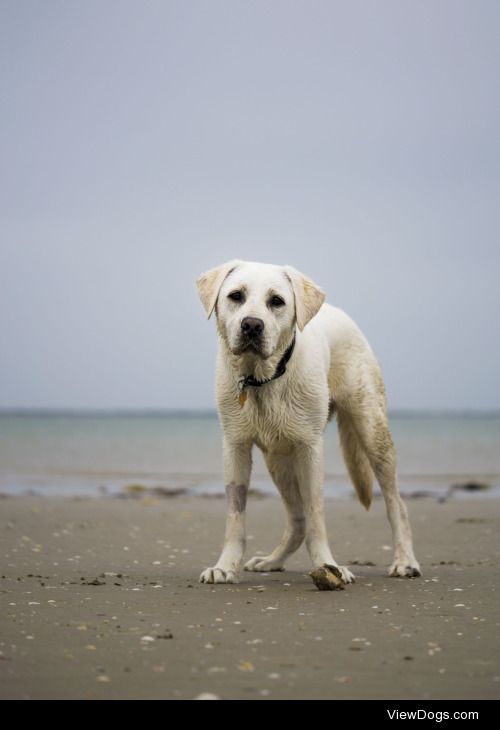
<point x="251" y="364"/>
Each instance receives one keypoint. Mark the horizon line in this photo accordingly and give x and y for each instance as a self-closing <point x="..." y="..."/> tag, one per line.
<point x="212" y="412"/>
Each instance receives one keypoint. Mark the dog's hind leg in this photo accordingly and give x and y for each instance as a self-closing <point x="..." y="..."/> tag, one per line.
<point x="281" y="470"/>
<point x="372" y="429"/>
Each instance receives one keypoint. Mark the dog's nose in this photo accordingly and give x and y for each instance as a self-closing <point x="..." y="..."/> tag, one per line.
<point x="252" y="326"/>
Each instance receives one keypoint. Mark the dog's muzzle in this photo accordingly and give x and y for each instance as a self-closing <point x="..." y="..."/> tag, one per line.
<point x="252" y="330"/>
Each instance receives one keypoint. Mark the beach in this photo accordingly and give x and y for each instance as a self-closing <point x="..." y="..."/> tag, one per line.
<point x="100" y="599"/>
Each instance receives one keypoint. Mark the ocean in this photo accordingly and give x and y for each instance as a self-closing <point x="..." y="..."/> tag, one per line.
<point x="92" y="454"/>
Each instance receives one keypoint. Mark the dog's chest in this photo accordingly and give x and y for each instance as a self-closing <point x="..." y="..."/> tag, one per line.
<point x="272" y="422"/>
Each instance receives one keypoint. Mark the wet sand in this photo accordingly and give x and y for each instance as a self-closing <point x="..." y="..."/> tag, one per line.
<point x="100" y="599"/>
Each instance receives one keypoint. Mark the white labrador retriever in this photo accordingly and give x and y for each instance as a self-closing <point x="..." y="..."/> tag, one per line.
<point x="287" y="361"/>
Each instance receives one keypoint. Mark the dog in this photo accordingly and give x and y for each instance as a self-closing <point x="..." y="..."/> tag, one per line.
<point x="288" y="362"/>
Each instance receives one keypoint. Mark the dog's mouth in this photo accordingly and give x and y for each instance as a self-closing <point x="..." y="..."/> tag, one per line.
<point x="251" y="345"/>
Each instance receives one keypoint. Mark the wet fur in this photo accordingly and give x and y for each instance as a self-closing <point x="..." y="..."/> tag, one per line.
<point x="332" y="369"/>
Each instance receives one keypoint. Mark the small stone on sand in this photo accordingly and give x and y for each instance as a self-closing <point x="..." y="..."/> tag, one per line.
<point x="327" y="578"/>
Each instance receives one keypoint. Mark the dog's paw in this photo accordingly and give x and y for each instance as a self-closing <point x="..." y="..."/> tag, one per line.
<point x="405" y="568"/>
<point x="347" y="576"/>
<point x="263" y="564"/>
<point x="217" y="575"/>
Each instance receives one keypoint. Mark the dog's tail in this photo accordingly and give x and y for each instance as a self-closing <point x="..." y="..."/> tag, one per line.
<point x="356" y="460"/>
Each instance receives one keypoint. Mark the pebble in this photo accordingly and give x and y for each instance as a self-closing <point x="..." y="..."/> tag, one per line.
<point x="246" y="667"/>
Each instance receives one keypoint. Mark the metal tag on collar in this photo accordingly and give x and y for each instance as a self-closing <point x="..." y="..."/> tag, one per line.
<point x="243" y="392"/>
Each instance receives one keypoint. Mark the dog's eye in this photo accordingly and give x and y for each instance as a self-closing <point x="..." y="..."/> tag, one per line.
<point x="235" y="296"/>
<point x="276" y="301"/>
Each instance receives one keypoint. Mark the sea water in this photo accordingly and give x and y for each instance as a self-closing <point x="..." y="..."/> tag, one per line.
<point x="98" y="453"/>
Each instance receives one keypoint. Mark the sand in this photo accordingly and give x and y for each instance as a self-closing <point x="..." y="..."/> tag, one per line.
<point x="100" y="599"/>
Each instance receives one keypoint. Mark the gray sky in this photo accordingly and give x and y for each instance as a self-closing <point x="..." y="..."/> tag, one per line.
<point x="144" y="142"/>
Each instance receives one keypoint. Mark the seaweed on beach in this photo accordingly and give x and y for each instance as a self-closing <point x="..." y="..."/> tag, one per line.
<point x="139" y="491"/>
<point x="464" y="487"/>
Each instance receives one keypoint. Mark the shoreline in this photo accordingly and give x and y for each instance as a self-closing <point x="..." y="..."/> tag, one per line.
<point x="101" y="600"/>
<point x="338" y="486"/>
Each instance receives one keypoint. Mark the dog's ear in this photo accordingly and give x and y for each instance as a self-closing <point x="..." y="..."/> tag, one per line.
<point x="308" y="296"/>
<point x="210" y="282"/>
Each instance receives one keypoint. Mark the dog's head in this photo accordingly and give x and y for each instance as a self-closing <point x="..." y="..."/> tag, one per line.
<point x="258" y="305"/>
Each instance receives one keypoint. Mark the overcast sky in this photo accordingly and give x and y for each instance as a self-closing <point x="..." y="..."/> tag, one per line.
<point x="143" y="142"/>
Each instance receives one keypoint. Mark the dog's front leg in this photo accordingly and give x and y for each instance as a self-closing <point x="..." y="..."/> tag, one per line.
<point x="309" y="470"/>
<point x="237" y="468"/>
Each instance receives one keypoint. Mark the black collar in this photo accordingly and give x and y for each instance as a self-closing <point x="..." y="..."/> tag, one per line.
<point x="249" y="380"/>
